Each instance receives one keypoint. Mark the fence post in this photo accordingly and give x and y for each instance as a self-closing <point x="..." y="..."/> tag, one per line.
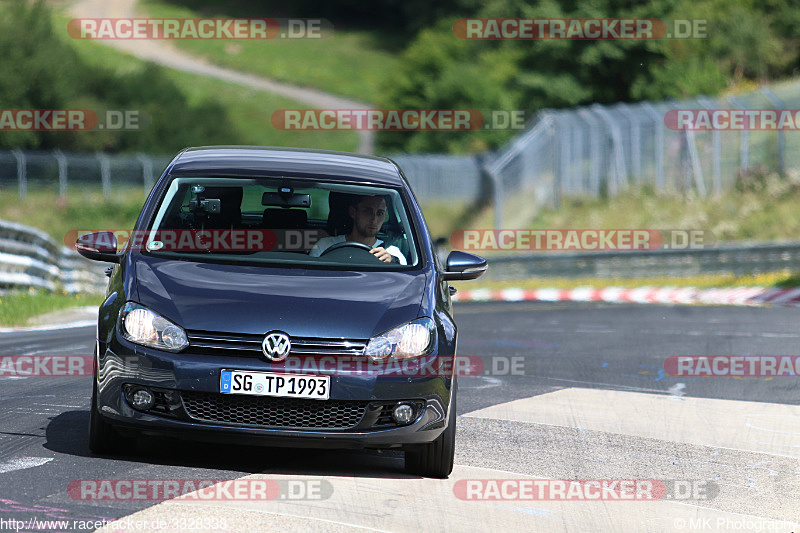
<point x="105" y="174"/>
<point x="716" y="163"/>
<point x="577" y="160"/>
<point x="497" y="194"/>
<point x="778" y="103"/>
<point x="618" y="158"/>
<point x="594" y="150"/>
<point x="636" y="142"/>
<point x="658" y="143"/>
<point x="22" y="172"/>
<point x="694" y="160"/>
<point x="147" y="172"/>
<point x="551" y="134"/>
<point x="63" y="169"/>
<point x="562" y="173"/>
<point x="744" y="140"/>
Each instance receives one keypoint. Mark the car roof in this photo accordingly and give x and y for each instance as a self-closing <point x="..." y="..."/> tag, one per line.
<point x="258" y="161"/>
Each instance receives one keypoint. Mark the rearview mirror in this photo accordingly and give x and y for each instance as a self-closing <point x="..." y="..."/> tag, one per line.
<point x="274" y="199"/>
<point x="99" y="246"/>
<point x="462" y="266"/>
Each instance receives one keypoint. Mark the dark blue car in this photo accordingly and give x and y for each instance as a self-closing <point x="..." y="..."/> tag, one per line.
<point x="279" y="297"/>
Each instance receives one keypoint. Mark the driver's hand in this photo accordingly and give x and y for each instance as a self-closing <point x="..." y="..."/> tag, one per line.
<point x="381" y="253"/>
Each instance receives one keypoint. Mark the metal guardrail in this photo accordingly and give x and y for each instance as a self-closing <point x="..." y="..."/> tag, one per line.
<point x="727" y="259"/>
<point x="31" y="258"/>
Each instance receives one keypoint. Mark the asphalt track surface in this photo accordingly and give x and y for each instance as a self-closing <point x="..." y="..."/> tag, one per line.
<point x="589" y="400"/>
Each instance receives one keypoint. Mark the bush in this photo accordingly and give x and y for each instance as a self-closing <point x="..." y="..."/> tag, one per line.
<point x="39" y="70"/>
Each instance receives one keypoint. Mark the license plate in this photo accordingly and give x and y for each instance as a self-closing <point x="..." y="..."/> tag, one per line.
<point x="272" y="384"/>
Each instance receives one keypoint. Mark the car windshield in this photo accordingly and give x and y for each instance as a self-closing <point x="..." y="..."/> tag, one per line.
<point x="292" y="222"/>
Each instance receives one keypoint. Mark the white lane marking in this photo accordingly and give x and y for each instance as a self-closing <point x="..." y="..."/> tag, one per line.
<point x="39" y="396"/>
<point x="21" y="349"/>
<point x="22" y="463"/>
<point x="490" y="382"/>
<point x="48" y="351"/>
<point x="51" y="327"/>
<point x="676" y="391"/>
<point x="614" y="385"/>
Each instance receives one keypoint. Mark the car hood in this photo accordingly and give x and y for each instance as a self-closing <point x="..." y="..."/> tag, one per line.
<point x="300" y="302"/>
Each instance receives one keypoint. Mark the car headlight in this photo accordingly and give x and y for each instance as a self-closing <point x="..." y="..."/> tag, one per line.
<point x="141" y="325"/>
<point x="413" y="339"/>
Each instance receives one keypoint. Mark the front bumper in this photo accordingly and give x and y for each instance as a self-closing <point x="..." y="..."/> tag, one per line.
<point x="185" y="377"/>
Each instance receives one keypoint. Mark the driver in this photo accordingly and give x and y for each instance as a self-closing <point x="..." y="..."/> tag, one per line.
<point x="368" y="216"/>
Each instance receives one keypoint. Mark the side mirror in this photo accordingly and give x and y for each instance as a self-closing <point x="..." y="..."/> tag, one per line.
<point x="461" y="265"/>
<point x="100" y="246"/>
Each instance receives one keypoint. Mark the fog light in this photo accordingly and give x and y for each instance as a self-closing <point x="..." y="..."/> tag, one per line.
<point x="142" y="399"/>
<point x="403" y="413"/>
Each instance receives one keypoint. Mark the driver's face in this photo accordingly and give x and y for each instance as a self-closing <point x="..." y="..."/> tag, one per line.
<point x="368" y="216"/>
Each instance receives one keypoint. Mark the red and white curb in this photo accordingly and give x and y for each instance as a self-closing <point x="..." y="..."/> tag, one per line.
<point x="753" y="296"/>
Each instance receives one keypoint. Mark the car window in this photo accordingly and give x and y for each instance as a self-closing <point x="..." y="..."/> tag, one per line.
<point x="283" y="221"/>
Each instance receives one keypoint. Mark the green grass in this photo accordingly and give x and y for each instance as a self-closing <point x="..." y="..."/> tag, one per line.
<point x="348" y="63"/>
<point x="762" y="208"/>
<point x="250" y="110"/>
<point x="443" y="217"/>
<point x="17" y="308"/>
<point x="84" y="209"/>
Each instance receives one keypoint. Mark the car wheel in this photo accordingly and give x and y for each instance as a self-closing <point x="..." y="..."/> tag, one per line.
<point x="103" y="438"/>
<point x="436" y="459"/>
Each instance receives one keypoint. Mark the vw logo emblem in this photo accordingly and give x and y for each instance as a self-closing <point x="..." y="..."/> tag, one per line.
<point x="276" y="346"/>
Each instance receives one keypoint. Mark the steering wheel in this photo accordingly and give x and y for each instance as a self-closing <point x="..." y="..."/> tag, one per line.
<point x="354" y="244"/>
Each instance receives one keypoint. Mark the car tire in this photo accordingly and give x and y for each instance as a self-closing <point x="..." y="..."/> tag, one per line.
<point x="103" y="438"/>
<point x="435" y="459"/>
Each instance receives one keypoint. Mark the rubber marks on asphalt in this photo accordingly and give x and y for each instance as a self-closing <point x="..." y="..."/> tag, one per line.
<point x="749" y="426"/>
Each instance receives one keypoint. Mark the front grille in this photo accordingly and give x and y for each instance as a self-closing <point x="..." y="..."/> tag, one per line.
<point x="274" y="412"/>
<point x="246" y="345"/>
<point x="163" y="403"/>
<point x="385" y="417"/>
